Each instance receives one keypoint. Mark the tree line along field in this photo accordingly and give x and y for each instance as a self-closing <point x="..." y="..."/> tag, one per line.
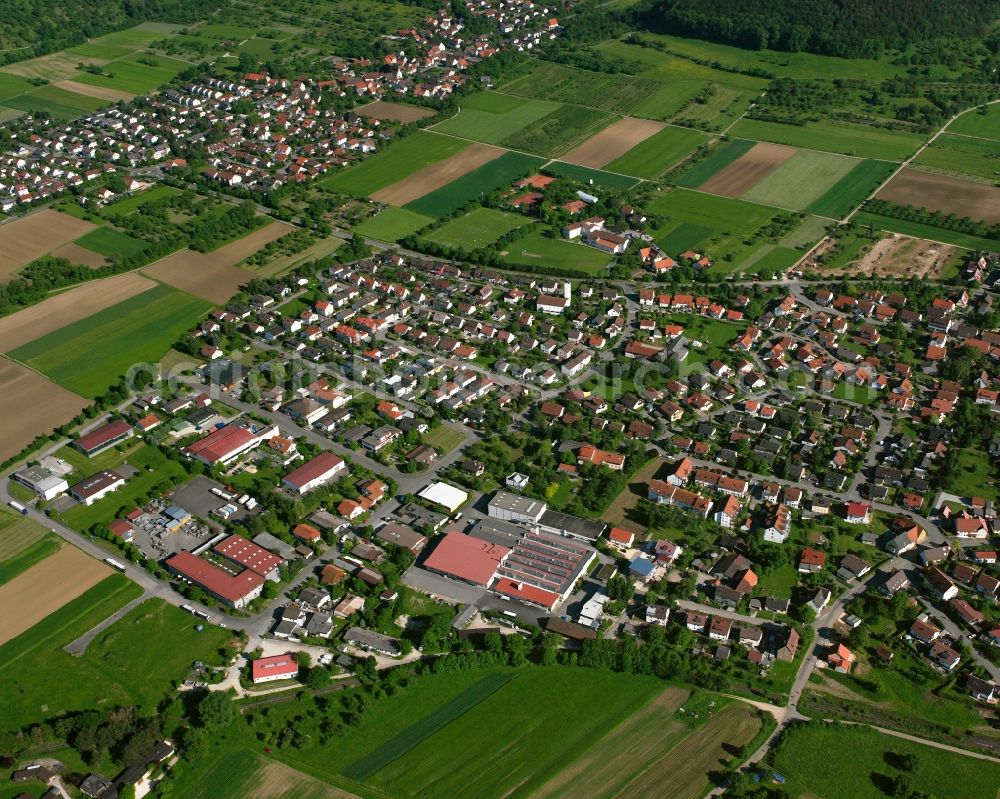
<point x="835" y="137"/>
<point x="598" y="177"/>
<point x="399" y="160"/>
<point x="828" y="760"/>
<point x="89" y="355"/>
<point x="134" y="661"/>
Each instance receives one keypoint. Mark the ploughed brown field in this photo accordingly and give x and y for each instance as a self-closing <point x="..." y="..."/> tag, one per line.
<point x="100" y="92"/>
<point x="46" y="587"/>
<point x="35" y="235"/>
<point x="398" y="112"/>
<point x="434" y="176"/>
<point x="214" y="276"/>
<point x="76" y="254"/>
<point x="943" y="193"/>
<point x="612" y="142"/>
<point x="748" y="170"/>
<point x="30" y="404"/>
<point x="68" y="307"/>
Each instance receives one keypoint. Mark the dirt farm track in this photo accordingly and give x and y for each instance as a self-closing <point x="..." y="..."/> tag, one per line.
<point x="46" y="587"/>
<point x="612" y="142"/>
<point x="945" y="194"/>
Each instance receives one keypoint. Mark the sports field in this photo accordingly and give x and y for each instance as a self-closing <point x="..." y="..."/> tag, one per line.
<point x="478" y="228"/>
<point x="834" y="137"/>
<point x="537" y="250"/>
<point x="397" y="161"/>
<point x="30" y="405"/>
<point x="137" y="660"/>
<point x="495" y="174"/>
<point x="654" y="156"/>
<point x="491" y="117"/>
<point x="391" y="224"/>
<point x="943" y="193"/>
<point x="47" y="586"/>
<point x="867" y="763"/>
<point x="89" y="355"/>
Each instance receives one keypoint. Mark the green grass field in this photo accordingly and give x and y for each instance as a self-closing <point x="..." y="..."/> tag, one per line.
<point x="106" y="52"/>
<point x="584" y="174"/>
<point x="536" y="250"/>
<point x="128" y="75"/>
<point x="491" y="117"/>
<point x="921" y="231"/>
<point x="652" y="157"/>
<point x="35" y="552"/>
<point x="828" y="761"/>
<point x="111" y="242"/>
<point x="800" y="180"/>
<point x="61" y="104"/>
<point x="90" y="355"/>
<point x="397" y="161"/>
<point x="559" y="131"/>
<point x="17" y="533"/>
<point x="135" y="661"/>
<point x="834" y="137"/>
<point x="36" y="670"/>
<point x="669" y="68"/>
<point x="444" y="438"/>
<point x="478" y="228"/>
<point x="13" y="85"/>
<point x="493" y="175"/>
<point x="854" y="187"/>
<point x="974" y="476"/>
<point x="154" y="471"/>
<point x="961" y="156"/>
<point x="977" y="123"/>
<point x="240" y="772"/>
<point x="721" y="156"/>
<point x="391" y="224"/>
<point x="434" y="738"/>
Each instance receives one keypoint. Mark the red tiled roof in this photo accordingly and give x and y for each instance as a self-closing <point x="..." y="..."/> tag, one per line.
<point x="467" y="558"/>
<point x="284" y="665"/>
<point x="213" y="579"/>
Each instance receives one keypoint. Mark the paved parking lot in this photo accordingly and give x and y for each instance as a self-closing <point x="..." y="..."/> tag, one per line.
<point x="196" y="497"/>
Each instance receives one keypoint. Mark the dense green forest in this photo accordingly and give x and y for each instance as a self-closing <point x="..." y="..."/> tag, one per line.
<point x="30" y="28"/>
<point x="847" y="28"/>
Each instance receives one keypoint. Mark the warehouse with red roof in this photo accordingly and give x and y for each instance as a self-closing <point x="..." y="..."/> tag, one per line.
<point x="251" y="556"/>
<point x="227" y="443"/>
<point x="314" y="473"/>
<point x="103" y="437"/>
<point x="234" y="590"/>
<point x="468" y="559"/>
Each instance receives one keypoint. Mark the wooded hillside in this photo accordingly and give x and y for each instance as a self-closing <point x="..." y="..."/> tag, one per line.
<point x="848" y="28"/>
